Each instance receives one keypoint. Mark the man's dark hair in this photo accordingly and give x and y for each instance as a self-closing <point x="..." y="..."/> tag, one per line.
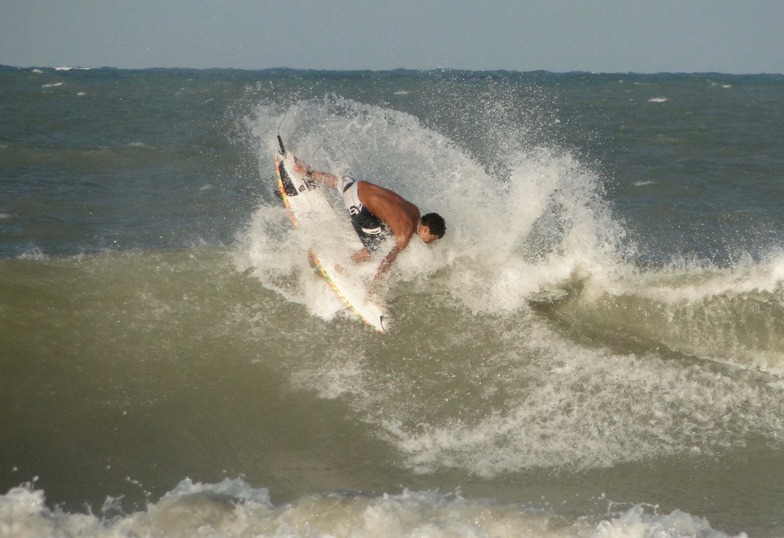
<point x="435" y="223"/>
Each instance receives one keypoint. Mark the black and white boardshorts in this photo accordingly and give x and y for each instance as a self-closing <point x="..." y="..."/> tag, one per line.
<point x="371" y="230"/>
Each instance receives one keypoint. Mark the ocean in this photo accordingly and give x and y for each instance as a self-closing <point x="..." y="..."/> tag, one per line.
<point x="595" y="348"/>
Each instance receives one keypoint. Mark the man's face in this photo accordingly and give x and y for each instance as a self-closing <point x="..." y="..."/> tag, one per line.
<point x="425" y="235"/>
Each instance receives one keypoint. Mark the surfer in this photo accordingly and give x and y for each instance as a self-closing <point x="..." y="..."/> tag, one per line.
<point x="376" y="213"/>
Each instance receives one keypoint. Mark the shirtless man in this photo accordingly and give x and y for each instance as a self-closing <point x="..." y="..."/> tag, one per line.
<point x="377" y="212"/>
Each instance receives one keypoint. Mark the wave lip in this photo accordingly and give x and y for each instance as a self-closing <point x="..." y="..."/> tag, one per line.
<point x="732" y="315"/>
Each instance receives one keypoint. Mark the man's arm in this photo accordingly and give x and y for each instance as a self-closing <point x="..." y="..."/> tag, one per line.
<point x="386" y="263"/>
<point x="327" y="179"/>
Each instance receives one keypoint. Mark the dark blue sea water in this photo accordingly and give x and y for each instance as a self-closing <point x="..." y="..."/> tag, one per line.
<point x="595" y="348"/>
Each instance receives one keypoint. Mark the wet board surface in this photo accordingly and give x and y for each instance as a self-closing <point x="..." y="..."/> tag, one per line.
<point x="309" y="208"/>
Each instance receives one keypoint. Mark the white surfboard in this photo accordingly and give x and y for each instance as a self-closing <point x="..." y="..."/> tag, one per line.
<point x="308" y="208"/>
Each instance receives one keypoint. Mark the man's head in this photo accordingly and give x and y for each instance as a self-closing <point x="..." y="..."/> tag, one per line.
<point x="431" y="227"/>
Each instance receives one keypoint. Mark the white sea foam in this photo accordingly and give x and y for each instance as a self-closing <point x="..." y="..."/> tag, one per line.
<point x="646" y="408"/>
<point x="677" y="285"/>
<point x="657" y="100"/>
<point x="33" y="253"/>
<point x="234" y="508"/>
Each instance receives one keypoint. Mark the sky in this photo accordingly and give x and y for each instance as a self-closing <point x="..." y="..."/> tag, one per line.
<point x="643" y="36"/>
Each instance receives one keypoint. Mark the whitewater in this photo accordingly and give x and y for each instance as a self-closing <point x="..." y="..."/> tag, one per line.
<point x="595" y="348"/>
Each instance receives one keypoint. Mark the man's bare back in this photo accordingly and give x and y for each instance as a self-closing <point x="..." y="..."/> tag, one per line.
<point x="401" y="217"/>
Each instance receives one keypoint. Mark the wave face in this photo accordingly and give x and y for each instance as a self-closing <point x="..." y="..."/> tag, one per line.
<point x="595" y="346"/>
